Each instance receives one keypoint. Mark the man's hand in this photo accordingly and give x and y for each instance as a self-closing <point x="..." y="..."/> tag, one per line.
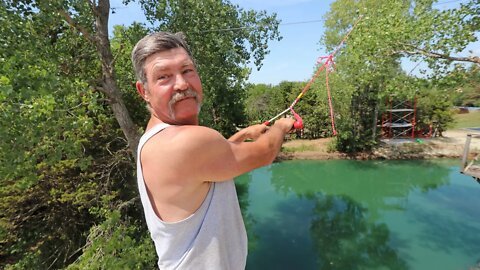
<point x="253" y="132"/>
<point x="286" y="124"/>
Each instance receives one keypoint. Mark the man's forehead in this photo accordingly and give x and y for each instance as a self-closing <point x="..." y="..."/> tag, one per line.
<point x="165" y="59"/>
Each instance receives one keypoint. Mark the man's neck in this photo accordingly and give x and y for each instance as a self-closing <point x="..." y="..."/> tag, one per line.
<point x="154" y="120"/>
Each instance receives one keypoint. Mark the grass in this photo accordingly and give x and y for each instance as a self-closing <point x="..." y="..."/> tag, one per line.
<point x="466" y="120"/>
<point x="300" y="148"/>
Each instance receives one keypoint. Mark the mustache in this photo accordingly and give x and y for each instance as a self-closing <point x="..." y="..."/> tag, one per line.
<point x="179" y="95"/>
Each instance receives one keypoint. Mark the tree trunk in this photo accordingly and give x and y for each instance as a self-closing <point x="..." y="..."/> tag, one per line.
<point x="110" y="86"/>
<point x="374" y="124"/>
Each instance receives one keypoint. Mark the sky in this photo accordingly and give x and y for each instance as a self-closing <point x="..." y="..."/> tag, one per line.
<point x="294" y="57"/>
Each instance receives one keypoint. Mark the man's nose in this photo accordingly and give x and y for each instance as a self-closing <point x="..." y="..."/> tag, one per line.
<point x="180" y="83"/>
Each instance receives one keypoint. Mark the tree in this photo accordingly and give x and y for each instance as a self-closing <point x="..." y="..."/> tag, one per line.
<point x="467" y="92"/>
<point x="370" y="62"/>
<point x="436" y="35"/>
<point x="46" y="121"/>
<point x="258" y="102"/>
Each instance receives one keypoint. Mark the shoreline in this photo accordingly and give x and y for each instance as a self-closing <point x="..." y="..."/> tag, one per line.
<point x="450" y="145"/>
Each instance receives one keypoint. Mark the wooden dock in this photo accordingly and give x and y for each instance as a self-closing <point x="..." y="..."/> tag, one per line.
<point x="469" y="166"/>
<point x="473" y="171"/>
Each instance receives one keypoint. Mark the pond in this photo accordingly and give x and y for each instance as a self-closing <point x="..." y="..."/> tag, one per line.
<point x="345" y="214"/>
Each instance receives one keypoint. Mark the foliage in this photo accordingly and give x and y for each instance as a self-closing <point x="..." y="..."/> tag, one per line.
<point x="122" y="43"/>
<point x="66" y="158"/>
<point x="264" y="101"/>
<point x="117" y="244"/>
<point x="467" y="86"/>
<point x="434" y="109"/>
<point x="434" y="35"/>
<point x="51" y="172"/>
<point x="61" y="153"/>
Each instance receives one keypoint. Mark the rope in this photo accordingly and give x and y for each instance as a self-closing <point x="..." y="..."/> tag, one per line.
<point x="328" y="65"/>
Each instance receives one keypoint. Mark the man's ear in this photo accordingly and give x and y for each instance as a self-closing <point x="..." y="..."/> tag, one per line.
<point x="141" y="90"/>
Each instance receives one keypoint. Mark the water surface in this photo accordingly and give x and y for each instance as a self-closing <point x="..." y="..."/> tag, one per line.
<point x="343" y="214"/>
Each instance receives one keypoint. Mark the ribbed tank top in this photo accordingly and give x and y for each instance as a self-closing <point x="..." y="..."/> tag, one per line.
<point x="213" y="237"/>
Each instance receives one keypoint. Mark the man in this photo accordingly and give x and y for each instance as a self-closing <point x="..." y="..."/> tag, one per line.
<point x="185" y="171"/>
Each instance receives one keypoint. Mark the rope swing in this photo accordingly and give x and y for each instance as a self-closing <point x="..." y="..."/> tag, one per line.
<point x="328" y="65"/>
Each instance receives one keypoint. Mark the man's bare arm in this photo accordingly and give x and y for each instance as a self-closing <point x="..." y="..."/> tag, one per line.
<point x="251" y="132"/>
<point x="202" y="154"/>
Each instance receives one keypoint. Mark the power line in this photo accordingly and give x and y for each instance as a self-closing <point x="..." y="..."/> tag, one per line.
<point x="303" y="22"/>
<point x="256" y="26"/>
<point x="283" y="24"/>
<point x="447" y="2"/>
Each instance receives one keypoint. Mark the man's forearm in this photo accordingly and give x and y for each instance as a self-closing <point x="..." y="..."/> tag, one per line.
<point x="252" y="132"/>
<point x="238" y="137"/>
<point x="273" y="140"/>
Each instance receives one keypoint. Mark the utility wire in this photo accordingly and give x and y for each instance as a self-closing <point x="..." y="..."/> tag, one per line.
<point x="447" y="2"/>
<point x="283" y="24"/>
<point x="256" y="26"/>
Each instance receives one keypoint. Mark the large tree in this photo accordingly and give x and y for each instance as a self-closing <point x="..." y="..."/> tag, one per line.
<point x="60" y="157"/>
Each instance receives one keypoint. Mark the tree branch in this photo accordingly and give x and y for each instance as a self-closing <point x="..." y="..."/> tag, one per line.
<point x="92" y="5"/>
<point x="419" y="51"/>
<point x="72" y="23"/>
<point x="120" y="52"/>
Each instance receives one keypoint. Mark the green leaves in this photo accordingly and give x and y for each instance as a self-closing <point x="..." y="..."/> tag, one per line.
<point x="116" y="244"/>
<point x="54" y="129"/>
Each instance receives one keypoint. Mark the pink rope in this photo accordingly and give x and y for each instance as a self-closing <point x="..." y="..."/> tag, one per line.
<point x="328" y="65"/>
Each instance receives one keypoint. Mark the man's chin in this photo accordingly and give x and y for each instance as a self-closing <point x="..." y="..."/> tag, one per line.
<point x="186" y="115"/>
<point x="186" y="119"/>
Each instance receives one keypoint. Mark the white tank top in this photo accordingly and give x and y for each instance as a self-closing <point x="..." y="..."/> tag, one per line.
<point x="213" y="237"/>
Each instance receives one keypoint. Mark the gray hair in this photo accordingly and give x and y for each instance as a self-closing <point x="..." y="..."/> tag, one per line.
<point x="154" y="43"/>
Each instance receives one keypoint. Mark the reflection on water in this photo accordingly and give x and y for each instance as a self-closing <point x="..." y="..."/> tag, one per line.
<point x="343" y="214"/>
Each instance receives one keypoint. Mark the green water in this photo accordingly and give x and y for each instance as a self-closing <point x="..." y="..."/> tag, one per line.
<point x="344" y="214"/>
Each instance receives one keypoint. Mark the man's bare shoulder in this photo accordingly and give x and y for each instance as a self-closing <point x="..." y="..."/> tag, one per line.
<point x="178" y="141"/>
<point x="190" y="132"/>
<point x="186" y="134"/>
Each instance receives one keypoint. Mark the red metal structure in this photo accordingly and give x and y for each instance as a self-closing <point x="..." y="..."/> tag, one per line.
<point x="399" y="118"/>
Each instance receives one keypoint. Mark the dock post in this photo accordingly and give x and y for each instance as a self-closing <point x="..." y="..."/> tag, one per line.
<point x="466" y="150"/>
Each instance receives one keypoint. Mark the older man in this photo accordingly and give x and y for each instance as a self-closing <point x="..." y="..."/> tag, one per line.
<point x="185" y="171"/>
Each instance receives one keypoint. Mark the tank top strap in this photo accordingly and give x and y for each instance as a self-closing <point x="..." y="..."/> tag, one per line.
<point x="150" y="133"/>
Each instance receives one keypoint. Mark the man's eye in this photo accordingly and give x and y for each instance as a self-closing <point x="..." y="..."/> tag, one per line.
<point x="188" y="70"/>
<point x="162" y="77"/>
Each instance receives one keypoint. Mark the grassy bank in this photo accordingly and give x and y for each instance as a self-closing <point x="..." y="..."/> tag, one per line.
<point x="466" y="120"/>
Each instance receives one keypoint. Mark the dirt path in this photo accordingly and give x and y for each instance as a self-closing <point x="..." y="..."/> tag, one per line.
<point x="451" y="145"/>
